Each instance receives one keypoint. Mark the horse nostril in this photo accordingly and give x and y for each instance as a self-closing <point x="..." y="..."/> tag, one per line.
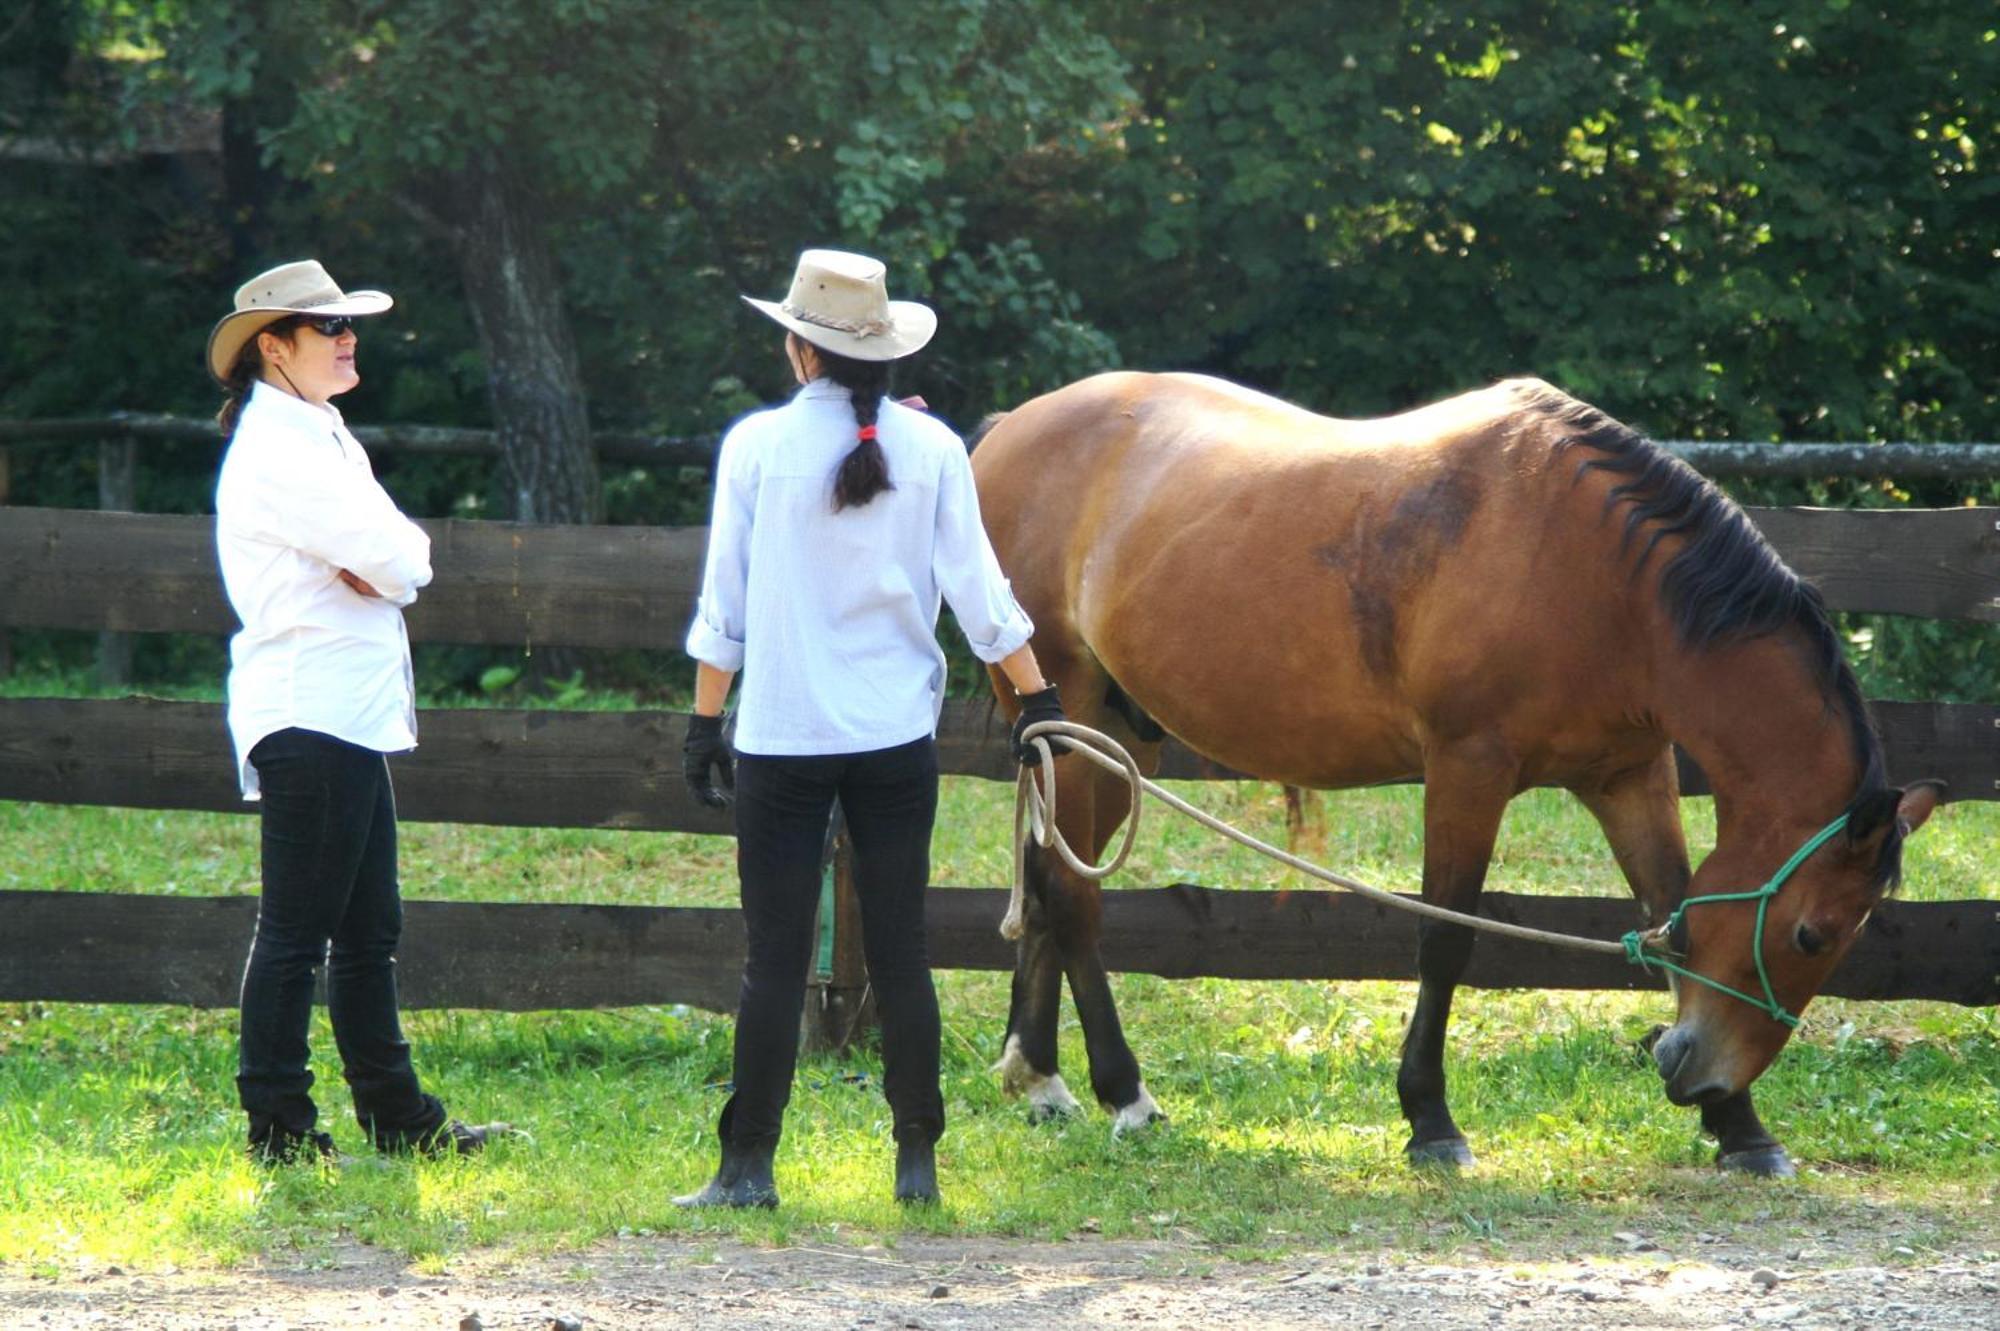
<point x="1670" y="1050"/>
<point x="1808" y="940"/>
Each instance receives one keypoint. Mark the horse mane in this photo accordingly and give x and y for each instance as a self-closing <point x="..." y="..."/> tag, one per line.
<point x="1726" y="584"/>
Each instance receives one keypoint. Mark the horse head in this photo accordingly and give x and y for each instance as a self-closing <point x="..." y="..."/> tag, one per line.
<point x="1746" y="962"/>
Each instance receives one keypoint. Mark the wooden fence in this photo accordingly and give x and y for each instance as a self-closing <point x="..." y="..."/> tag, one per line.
<point x="500" y="583"/>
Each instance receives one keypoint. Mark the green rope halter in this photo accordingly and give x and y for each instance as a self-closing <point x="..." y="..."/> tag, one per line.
<point x="1637" y="953"/>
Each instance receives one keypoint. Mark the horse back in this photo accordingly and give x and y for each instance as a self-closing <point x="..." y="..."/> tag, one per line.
<point x="1311" y="599"/>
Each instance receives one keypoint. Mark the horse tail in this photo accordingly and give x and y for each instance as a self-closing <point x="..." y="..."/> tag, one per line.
<point x="983" y="429"/>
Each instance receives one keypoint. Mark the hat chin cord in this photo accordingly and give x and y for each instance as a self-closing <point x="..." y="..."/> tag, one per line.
<point x="288" y="382"/>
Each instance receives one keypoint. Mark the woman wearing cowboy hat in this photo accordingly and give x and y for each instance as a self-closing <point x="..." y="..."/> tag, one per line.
<point x="840" y="519"/>
<point x="318" y="564"/>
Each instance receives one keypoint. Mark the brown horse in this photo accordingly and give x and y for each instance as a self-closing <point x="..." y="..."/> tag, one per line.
<point x="1503" y="590"/>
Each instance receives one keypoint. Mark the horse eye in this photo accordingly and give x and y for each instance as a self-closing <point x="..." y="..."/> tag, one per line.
<point x="1808" y="939"/>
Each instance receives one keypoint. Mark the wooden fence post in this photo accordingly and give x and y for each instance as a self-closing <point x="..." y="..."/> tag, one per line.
<point x="117" y="492"/>
<point x="840" y="1007"/>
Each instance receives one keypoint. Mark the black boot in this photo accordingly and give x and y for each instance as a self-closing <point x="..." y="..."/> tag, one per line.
<point x="916" y="1171"/>
<point x="744" y="1179"/>
<point x="276" y="1145"/>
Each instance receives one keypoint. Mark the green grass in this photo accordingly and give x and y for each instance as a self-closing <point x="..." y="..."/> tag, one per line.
<point x="119" y="1133"/>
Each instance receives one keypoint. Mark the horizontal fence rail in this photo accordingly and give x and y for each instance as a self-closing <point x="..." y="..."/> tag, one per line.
<point x="502" y="583"/>
<point x="524" y="957"/>
<point x="641" y="449"/>
<point x="1872" y="461"/>
<point x="515" y="768"/>
<point x="578" y="586"/>
<point x="1909" y="462"/>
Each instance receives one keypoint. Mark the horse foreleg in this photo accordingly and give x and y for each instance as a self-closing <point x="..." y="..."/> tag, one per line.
<point x="1028" y="1059"/>
<point x="1640" y="813"/>
<point x="1465" y="793"/>
<point x="1743" y="1142"/>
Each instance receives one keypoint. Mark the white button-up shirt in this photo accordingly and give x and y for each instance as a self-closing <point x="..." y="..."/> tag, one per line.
<point x="832" y="617"/>
<point x="295" y="504"/>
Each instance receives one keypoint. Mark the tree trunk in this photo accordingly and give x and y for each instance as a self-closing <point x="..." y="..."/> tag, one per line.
<point x="532" y="377"/>
<point x="248" y="184"/>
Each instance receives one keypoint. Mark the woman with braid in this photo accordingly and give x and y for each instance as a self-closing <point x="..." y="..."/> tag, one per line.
<point x="840" y="520"/>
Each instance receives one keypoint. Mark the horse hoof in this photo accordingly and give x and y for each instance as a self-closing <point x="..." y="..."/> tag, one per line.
<point x="1050" y="1112"/>
<point x="1758" y="1162"/>
<point x="1452" y="1153"/>
<point x="1144" y="1112"/>
<point x="1121" y="1126"/>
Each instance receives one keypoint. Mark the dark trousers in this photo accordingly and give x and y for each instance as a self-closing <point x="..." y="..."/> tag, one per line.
<point x="329" y="842"/>
<point x="889" y="798"/>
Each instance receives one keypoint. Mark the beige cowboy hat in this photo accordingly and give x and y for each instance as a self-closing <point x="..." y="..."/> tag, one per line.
<point x="840" y="303"/>
<point x="290" y="288"/>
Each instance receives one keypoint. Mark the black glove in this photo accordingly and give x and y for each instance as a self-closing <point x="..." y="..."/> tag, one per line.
<point x="703" y="749"/>
<point x="1037" y="707"/>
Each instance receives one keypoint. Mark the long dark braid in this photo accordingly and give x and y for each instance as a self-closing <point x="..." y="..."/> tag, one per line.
<point x="864" y="472"/>
<point x="243" y="377"/>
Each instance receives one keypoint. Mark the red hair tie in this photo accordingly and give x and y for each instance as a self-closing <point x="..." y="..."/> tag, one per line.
<point x="867" y="433"/>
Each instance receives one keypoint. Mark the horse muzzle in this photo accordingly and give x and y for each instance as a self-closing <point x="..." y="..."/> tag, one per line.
<point x="1680" y="1056"/>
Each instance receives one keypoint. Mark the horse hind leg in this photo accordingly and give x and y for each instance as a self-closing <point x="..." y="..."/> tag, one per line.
<point x="1639" y="811"/>
<point x="1029" y="1065"/>
<point x="1062" y="922"/>
<point x="1466" y="790"/>
<point x="1029" y="1060"/>
<point x="1305" y="823"/>
<point x="1114" y="1070"/>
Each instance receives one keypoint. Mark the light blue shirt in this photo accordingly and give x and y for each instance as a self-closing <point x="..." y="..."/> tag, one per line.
<point x="832" y="617"/>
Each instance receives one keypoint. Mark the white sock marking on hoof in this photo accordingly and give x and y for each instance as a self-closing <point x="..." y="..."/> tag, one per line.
<point x="1142" y="1113"/>
<point x="1015" y="1074"/>
<point x="1045" y="1092"/>
<point x="1052" y="1099"/>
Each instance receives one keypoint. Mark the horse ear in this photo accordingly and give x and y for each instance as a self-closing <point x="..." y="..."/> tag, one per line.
<point x="1917" y="803"/>
<point x="1874" y="813"/>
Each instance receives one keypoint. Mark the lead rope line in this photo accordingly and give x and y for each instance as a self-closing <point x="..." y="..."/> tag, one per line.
<point x="1034" y="812"/>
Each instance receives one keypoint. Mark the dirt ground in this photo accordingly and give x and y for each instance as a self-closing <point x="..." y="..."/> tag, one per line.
<point x="933" y="1284"/>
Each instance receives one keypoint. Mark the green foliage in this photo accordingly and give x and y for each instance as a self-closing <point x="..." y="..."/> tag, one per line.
<point x="1747" y="221"/>
<point x="1753" y="221"/>
<point x="1735" y="221"/>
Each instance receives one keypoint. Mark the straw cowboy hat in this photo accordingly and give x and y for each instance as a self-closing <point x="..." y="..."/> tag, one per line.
<point x="290" y="288"/>
<point x="840" y="303"/>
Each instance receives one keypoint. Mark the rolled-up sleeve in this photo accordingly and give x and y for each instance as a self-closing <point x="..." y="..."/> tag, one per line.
<point x="968" y="572"/>
<point x="716" y="636"/>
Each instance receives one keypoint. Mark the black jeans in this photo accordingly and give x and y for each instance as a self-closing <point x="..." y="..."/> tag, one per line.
<point x="889" y="798"/>
<point x="329" y="842"/>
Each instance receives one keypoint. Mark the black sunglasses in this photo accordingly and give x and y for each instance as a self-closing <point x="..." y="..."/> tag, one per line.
<point x="324" y="327"/>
